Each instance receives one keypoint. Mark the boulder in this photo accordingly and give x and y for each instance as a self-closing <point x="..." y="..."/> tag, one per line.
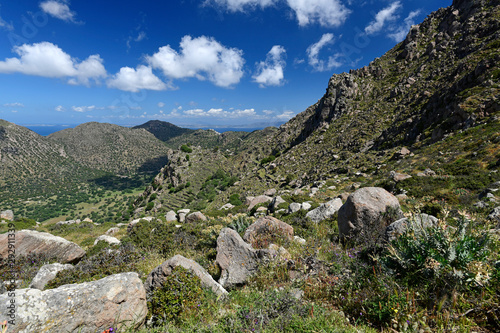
<point x="299" y="240"/>
<point x="495" y="214"/>
<point x="325" y="210"/>
<point x="294" y="207"/>
<point x="112" y="231"/>
<point x="108" y="239"/>
<point x="157" y="277"/>
<point x="258" y="200"/>
<point x="227" y="206"/>
<point x="47" y="273"/>
<point x="134" y="222"/>
<point x="417" y="223"/>
<point x="397" y="177"/>
<point x="7" y="215"/>
<point x="268" y="226"/>
<point x="305" y="206"/>
<point x="366" y="214"/>
<point x="194" y="217"/>
<point x="273" y="206"/>
<point x="271" y="192"/>
<point x="402" y="153"/>
<point x="426" y="173"/>
<point x="69" y="222"/>
<point x="237" y="259"/>
<point x="171" y="216"/>
<point x="117" y="301"/>
<point x="279" y="253"/>
<point x="29" y="241"/>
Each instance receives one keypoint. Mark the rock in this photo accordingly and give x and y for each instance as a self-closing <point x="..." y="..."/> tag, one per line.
<point x="481" y="205"/>
<point x="271" y="192"/>
<point x="184" y="211"/>
<point x="397" y="177"/>
<point x="366" y="214"/>
<point x="299" y="240"/>
<point x="134" y="222"/>
<point x="182" y="217"/>
<point x="426" y="173"/>
<point x="112" y="231"/>
<point x="248" y="200"/>
<point x="294" y="207"/>
<point x="268" y="226"/>
<point x="417" y="223"/>
<point x="314" y="190"/>
<point x="29" y="241"/>
<point x="273" y="206"/>
<point x="157" y="277"/>
<point x="88" y="220"/>
<point x="495" y="214"/>
<point x="194" y="217"/>
<point x="402" y="153"/>
<point x="325" y="210"/>
<point x="227" y="206"/>
<point x="343" y="196"/>
<point x="68" y="222"/>
<point x="258" y="200"/>
<point x="261" y="209"/>
<point x="47" y="273"/>
<point x="117" y="301"/>
<point x="7" y="215"/>
<point x="305" y="206"/>
<point x="171" y="216"/>
<point x="108" y="239"/>
<point x="237" y="259"/>
<point x="402" y="197"/>
<point x="297" y="192"/>
<point x="279" y="253"/>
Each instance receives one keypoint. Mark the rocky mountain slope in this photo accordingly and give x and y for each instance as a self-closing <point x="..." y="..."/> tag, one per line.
<point x="163" y="130"/>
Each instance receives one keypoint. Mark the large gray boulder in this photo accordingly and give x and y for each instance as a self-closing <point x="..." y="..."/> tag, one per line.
<point x="416" y="223"/>
<point x="30" y="241"/>
<point x="171" y="216"/>
<point x="325" y="210"/>
<point x="273" y="206"/>
<point x="157" y="277"/>
<point x="258" y="200"/>
<point x="47" y="273"/>
<point x="195" y="217"/>
<point x="495" y="214"/>
<point x="366" y="214"/>
<point x="133" y="223"/>
<point x="108" y="239"/>
<point x="7" y="215"/>
<point x="117" y="301"/>
<point x="237" y="259"/>
<point x="294" y="207"/>
<point x="268" y="226"/>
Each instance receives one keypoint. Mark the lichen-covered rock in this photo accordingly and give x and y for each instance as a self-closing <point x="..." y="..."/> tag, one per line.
<point x="48" y="273"/>
<point x="194" y="217"/>
<point x="30" y="241"/>
<point x="117" y="301"/>
<point x="294" y="207"/>
<point x="157" y="277"/>
<point x="366" y="214"/>
<point x="268" y="226"/>
<point x="325" y="210"/>
<point x="108" y="239"/>
<point x="171" y="216"/>
<point x="7" y="215"/>
<point x="258" y="200"/>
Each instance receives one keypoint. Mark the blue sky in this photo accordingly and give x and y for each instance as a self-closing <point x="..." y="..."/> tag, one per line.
<point x="196" y="63"/>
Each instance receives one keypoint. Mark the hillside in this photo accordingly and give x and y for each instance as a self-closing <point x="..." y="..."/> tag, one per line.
<point x="163" y="130"/>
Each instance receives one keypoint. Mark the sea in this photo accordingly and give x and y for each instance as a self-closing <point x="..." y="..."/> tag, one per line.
<point x="45" y="130"/>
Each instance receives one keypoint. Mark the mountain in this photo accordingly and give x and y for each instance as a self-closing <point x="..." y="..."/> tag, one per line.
<point x="163" y="130"/>
<point x="113" y="148"/>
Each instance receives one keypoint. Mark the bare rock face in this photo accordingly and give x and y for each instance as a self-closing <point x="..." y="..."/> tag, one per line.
<point x="366" y="214"/>
<point x="171" y="216"/>
<point x="29" y="241"/>
<point x="117" y="301"/>
<point x="325" y="210"/>
<point x="48" y="273"/>
<point x="108" y="239"/>
<point x="157" y="277"/>
<point x="237" y="259"/>
<point x="7" y="215"/>
<point x="196" y="216"/>
<point x="268" y="226"/>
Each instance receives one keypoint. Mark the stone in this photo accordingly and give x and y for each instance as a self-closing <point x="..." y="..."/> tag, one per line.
<point x="47" y="273"/>
<point x="182" y="217"/>
<point x="237" y="259"/>
<point x="494" y="215"/>
<point x="305" y="206"/>
<point x="366" y="214"/>
<point x="108" y="239"/>
<point x="88" y="220"/>
<point x="258" y="200"/>
<point x="248" y="200"/>
<point x="171" y="216"/>
<point x="268" y="226"/>
<point x="261" y="209"/>
<point x="227" y="206"/>
<point x="68" y="222"/>
<point x="294" y="207"/>
<point x="402" y="153"/>
<point x="299" y="240"/>
<point x="134" y="222"/>
<point x="117" y="301"/>
<point x="273" y="206"/>
<point x="157" y="277"/>
<point x="271" y="192"/>
<point x="426" y="173"/>
<point x="314" y="190"/>
<point x="195" y="217"/>
<point x="35" y="242"/>
<point x="416" y="223"/>
<point x="184" y="211"/>
<point x="7" y="215"/>
<point x="397" y="177"/>
<point x="343" y="196"/>
<point x="325" y="210"/>
<point x="279" y="253"/>
<point x="112" y="231"/>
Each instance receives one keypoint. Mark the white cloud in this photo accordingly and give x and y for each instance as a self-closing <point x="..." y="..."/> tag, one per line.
<point x="82" y="108"/>
<point x="58" y="9"/>
<point x="385" y="15"/>
<point x="59" y="108"/>
<point x="161" y="104"/>
<point x="313" y="55"/>
<point x="270" y="71"/>
<point x="218" y="113"/>
<point x="286" y="115"/>
<point x="328" y="13"/>
<point x="18" y="105"/>
<point x="203" y="58"/>
<point x="241" y="5"/>
<point x="7" y="26"/>
<point x="400" y="33"/>
<point x="133" y="80"/>
<point x="48" y="60"/>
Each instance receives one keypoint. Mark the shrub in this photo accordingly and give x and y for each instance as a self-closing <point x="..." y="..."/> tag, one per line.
<point x="186" y="149"/>
<point x="235" y="200"/>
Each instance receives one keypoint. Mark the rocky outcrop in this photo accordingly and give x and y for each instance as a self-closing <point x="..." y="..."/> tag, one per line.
<point x="258" y="200"/>
<point x="195" y="217"/>
<point x="273" y="206"/>
<point x="325" y="211"/>
<point x="157" y="277"/>
<point x="171" y="216"/>
<point x="112" y="231"/>
<point x="366" y="214"/>
<point x="268" y="227"/>
<point x="108" y="239"/>
<point x="132" y="223"/>
<point x="417" y="224"/>
<point x="237" y="259"/>
<point x="7" y="215"/>
<point x="29" y="241"/>
<point x="47" y="273"/>
<point x="117" y="301"/>
<point x="494" y="215"/>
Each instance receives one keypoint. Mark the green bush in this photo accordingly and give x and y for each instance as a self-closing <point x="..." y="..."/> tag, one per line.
<point x="267" y="159"/>
<point x="234" y="200"/>
<point x="186" y="149"/>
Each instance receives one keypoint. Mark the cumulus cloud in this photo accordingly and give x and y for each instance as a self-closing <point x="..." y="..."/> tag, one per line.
<point x="382" y="17"/>
<point x="133" y="80"/>
<point x="313" y="55"/>
<point x="16" y="104"/>
<point x="60" y="108"/>
<point x="286" y="115"/>
<point x="241" y="5"/>
<point x="328" y="13"/>
<point x="82" y="108"/>
<point x="161" y="104"/>
<point x="58" y="9"/>
<point x="48" y="60"/>
<point x="400" y="33"/>
<point x="270" y="71"/>
<point x="202" y="58"/>
<point x="220" y="113"/>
